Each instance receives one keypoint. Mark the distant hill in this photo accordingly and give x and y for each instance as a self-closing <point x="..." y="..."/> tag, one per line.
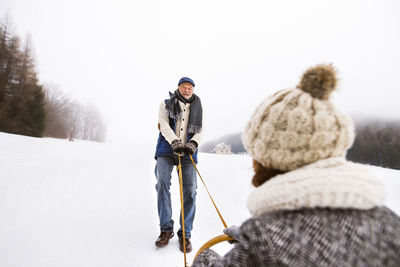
<point x="377" y="143"/>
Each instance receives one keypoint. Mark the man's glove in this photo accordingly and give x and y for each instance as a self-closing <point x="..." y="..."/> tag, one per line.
<point x="190" y="147"/>
<point x="177" y="146"/>
<point x="233" y="231"/>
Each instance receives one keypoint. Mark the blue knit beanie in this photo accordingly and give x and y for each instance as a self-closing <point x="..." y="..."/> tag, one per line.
<point x="185" y="80"/>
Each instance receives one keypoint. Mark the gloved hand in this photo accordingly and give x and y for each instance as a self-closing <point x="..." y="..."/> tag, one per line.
<point x="233" y="231"/>
<point x="177" y="146"/>
<point x="190" y="147"/>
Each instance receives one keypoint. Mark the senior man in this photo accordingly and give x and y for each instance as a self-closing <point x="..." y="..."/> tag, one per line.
<point x="180" y="126"/>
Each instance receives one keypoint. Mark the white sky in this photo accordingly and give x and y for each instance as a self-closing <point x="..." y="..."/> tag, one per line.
<point x="124" y="56"/>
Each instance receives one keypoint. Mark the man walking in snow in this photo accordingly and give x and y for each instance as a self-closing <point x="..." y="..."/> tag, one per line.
<point x="180" y="125"/>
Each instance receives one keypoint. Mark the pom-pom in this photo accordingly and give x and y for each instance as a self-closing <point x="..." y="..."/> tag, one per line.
<point x="319" y="81"/>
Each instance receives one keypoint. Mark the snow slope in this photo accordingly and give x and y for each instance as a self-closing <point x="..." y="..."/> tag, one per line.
<point x="87" y="204"/>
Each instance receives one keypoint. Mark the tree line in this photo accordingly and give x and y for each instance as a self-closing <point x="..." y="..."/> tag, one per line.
<point x="377" y="143"/>
<point x="30" y="108"/>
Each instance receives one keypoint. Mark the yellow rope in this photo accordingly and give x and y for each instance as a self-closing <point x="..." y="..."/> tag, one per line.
<point x="219" y="238"/>
<point x="182" y="212"/>
<point x="220" y="216"/>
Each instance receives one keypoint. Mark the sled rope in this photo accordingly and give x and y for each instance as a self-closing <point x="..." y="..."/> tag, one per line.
<point x="219" y="238"/>
<point x="182" y="212"/>
<point x="220" y="216"/>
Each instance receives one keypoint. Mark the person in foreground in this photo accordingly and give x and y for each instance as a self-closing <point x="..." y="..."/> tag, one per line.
<point x="310" y="206"/>
<point x="180" y="126"/>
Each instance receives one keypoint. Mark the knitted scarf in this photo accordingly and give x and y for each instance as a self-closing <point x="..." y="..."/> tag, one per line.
<point x="327" y="183"/>
<point x="196" y="110"/>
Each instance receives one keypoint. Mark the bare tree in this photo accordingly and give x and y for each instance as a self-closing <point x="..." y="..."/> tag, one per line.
<point x="75" y="121"/>
<point x="68" y="118"/>
<point x="93" y="124"/>
<point x="57" y="107"/>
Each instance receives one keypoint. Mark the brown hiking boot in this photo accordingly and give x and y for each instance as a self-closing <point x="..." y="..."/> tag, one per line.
<point x="187" y="244"/>
<point x="163" y="239"/>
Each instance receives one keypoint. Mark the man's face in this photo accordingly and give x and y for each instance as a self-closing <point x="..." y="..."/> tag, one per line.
<point x="186" y="90"/>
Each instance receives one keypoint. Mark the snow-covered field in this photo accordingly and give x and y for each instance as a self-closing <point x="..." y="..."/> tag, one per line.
<point x="87" y="204"/>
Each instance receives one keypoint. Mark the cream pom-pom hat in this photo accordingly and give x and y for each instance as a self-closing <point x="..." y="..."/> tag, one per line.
<point x="299" y="126"/>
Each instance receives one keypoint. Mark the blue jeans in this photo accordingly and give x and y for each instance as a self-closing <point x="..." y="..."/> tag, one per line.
<point x="163" y="172"/>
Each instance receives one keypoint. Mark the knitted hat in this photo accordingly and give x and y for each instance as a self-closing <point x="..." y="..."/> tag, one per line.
<point x="185" y="80"/>
<point x="295" y="127"/>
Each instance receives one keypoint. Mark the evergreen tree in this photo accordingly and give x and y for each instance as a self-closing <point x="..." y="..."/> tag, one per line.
<point x="22" y="107"/>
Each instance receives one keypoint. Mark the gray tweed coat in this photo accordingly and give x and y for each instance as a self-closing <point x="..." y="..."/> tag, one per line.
<point x="314" y="237"/>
